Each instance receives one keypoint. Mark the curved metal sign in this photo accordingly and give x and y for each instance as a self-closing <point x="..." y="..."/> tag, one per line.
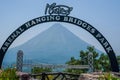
<point x="67" y="19"/>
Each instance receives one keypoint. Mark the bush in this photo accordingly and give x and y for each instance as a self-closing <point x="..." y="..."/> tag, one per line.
<point x="108" y="76"/>
<point x="8" y="74"/>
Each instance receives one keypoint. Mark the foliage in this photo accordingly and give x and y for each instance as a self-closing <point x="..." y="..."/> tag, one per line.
<point x="118" y="59"/>
<point x="100" y="62"/>
<point x="108" y="76"/>
<point x="8" y="74"/>
<point x="50" y="77"/>
<point x="104" y="62"/>
<point x="37" y="70"/>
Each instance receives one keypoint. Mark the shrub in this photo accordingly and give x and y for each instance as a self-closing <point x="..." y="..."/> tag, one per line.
<point x="108" y="76"/>
<point x="8" y="74"/>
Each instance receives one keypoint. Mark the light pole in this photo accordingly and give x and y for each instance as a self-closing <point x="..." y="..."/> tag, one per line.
<point x="90" y="62"/>
<point x="19" y="60"/>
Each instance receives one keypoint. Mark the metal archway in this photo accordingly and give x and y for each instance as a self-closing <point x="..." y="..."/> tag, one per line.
<point x="67" y="19"/>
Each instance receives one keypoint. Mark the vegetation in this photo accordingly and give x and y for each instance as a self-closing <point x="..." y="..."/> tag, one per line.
<point x="108" y="76"/>
<point x="8" y="74"/>
<point x="100" y="62"/>
<point x="37" y="70"/>
<point x="118" y="59"/>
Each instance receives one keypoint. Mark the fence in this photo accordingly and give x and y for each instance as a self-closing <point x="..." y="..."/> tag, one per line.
<point x="55" y="76"/>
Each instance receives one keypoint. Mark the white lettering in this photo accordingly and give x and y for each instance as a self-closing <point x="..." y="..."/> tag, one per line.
<point x="4" y="49"/>
<point x="48" y="18"/>
<point x="65" y="18"/>
<point x="52" y="18"/>
<point x="17" y="33"/>
<point x="13" y="36"/>
<point x="89" y="28"/>
<point x="38" y="20"/>
<point x="75" y="20"/>
<point x="7" y="44"/>
<point x="98" y="35"/>
<point x="70" y="19"/>
<point x="33" y="22"/>
<point x="57" y="18"/>
<point x="84" y="25"/>
<point x="43" y="19"/>
<point x="21" y="29"/>
<point x="93" y="30"/>
<point x="10" y="40"/>
<point x="27" y="25"/>
<point x="106" y="44"/>
<point x="102" y="40"/>
<point x="79" y="22"/>
<point x="109" y="49"/>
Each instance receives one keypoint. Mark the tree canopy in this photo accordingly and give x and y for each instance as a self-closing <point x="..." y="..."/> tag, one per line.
<point x="100" y="61"/>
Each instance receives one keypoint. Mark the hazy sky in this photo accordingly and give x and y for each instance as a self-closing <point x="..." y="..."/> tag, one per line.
<point x="104" y="15"/>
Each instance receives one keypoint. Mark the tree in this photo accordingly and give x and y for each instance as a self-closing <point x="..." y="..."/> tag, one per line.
<point x="95" y="56"/>
<point x="83" y="60"/>
<point x="118" y="59"/>
<point x="83" y="57"/>
<point x="73" y="61"/>
<point x="99" y="62"/>
<point x="104" y="62"/>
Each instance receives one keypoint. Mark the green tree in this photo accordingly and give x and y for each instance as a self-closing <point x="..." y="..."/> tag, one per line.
<point x="104" y="62"/>
<point x="118" y="59"/>
<point x="83" y="57"/>
<point x="73" y="61"/>
<point x="99" y="62"/>
<point x="83" y="60"/>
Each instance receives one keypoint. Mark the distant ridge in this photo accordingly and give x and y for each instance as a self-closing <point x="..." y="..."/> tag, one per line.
<point x="56" y="45"/>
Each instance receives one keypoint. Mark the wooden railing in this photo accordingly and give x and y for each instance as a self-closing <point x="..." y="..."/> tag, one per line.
<point x="55" y="76"/>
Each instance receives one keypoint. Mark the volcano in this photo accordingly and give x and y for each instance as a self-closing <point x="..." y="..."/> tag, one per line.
<point x="56" y="45"/>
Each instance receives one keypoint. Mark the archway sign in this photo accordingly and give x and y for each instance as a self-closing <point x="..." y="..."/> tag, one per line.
<point x="59" y="13"/>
